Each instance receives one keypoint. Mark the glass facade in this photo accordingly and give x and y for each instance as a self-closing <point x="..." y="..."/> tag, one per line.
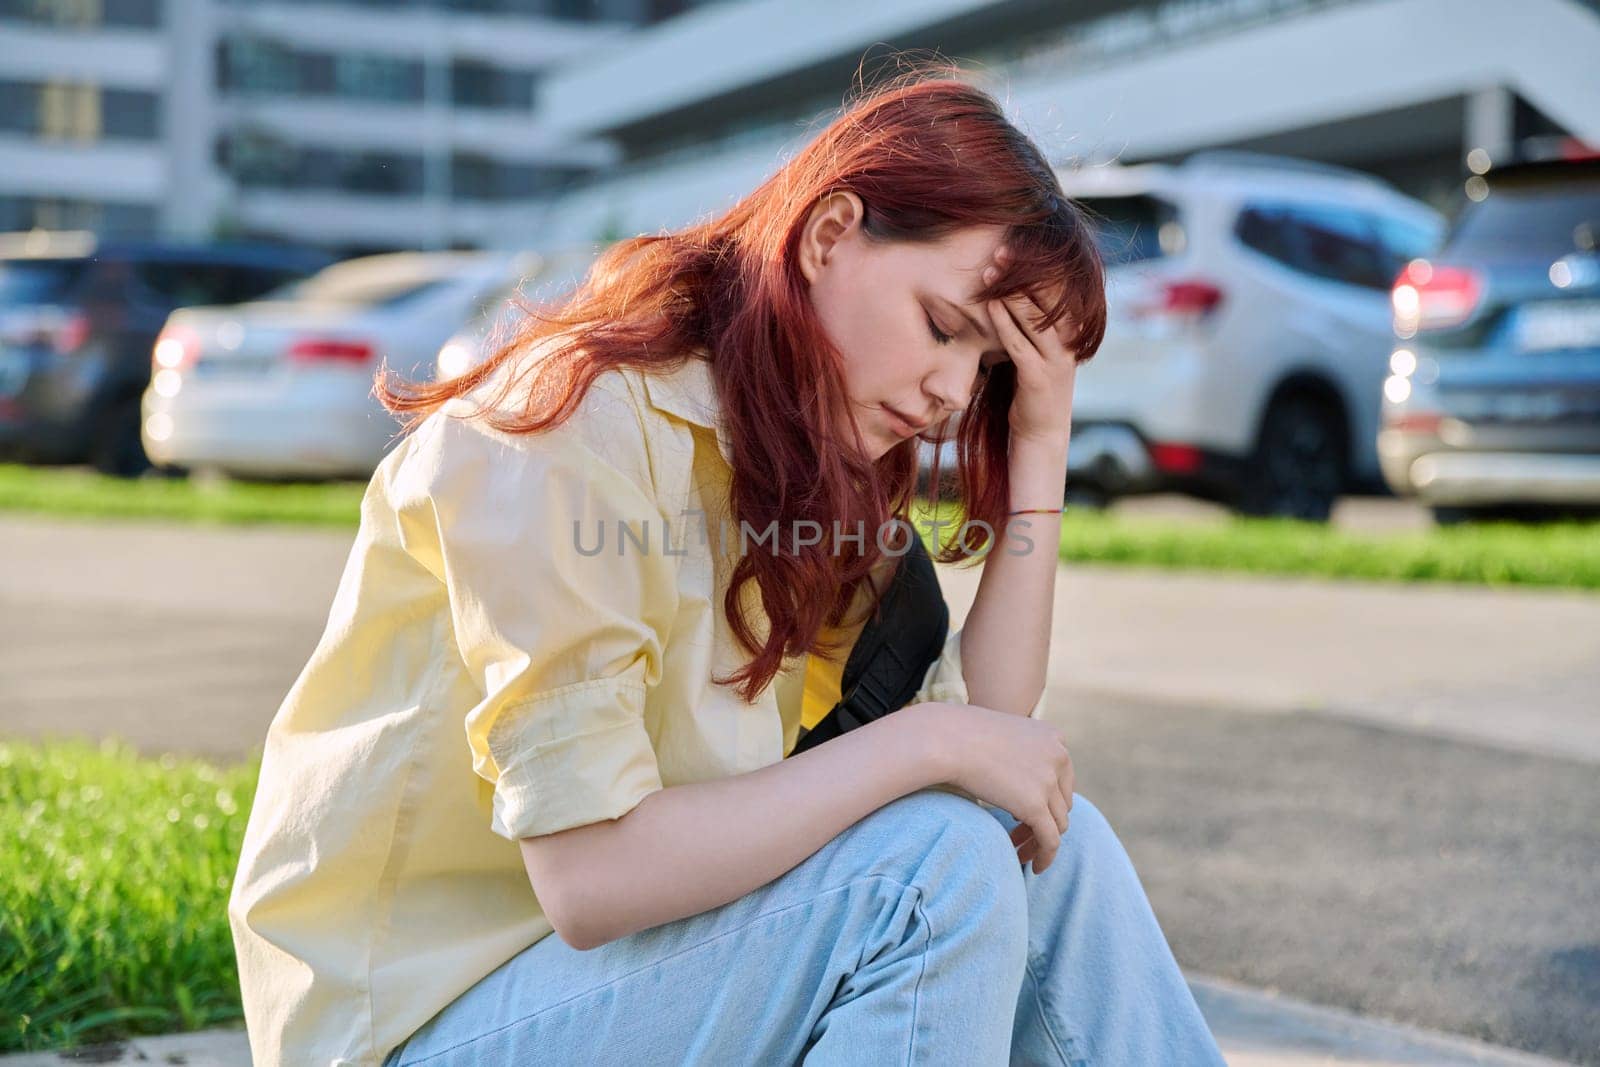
<point x="67" y="213"/>
<point x="86" y="14"/>
<point x="75" y="111"/>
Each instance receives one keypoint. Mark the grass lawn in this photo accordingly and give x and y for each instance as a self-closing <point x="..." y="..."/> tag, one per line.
<point x="81" y="493"/>
<point x="113" y="904"/>
<point x="1562" y="554"/>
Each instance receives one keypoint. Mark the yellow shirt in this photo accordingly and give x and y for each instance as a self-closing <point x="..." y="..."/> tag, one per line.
<point x="484" y="676"/>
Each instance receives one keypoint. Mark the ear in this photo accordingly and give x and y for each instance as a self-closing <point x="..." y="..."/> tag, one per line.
<point x="836" y="217"/>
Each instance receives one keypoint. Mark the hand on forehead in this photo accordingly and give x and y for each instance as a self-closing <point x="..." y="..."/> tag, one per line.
<point x="992" y="267"/>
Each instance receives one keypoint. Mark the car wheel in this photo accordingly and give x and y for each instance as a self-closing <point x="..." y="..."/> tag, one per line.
<point x="1456" y="516"/>
<point x="116" y="448"/>
<point x="1086" y="498"/>
<point x="1298" y="468"/>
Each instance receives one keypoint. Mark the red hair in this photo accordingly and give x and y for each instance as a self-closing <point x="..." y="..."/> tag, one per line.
<point x="928" y="154"/>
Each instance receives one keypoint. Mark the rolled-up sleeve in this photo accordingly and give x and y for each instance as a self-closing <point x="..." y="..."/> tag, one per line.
<point x="559" y="616"/>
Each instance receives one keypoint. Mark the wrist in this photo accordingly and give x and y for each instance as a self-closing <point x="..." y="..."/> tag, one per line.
<point x="1045" y="448"/>
<point x="1037" y="474"/>
<point x="931" y="726"/>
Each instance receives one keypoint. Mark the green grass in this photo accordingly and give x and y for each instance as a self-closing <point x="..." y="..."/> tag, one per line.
<point x="1557" y="554"/>
<point x="1561" y="554"/>
<point x="84" y="494"/>
<point x="113" y="904"/>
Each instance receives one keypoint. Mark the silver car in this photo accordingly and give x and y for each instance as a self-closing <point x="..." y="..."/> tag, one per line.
<point x="1248" y="330"/>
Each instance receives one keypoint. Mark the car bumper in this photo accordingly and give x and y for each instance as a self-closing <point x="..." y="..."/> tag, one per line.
<point x="1110" y="456"/>
<point x="1115" y="458"/>
<point x="312" y="440"/>
<point x="1480" y="478"/>
<point x="48" y="405"/>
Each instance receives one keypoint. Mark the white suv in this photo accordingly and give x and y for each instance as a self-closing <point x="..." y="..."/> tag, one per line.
<point x="1249" y="330"/>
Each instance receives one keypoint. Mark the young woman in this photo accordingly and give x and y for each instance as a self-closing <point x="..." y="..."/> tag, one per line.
<point x="596" y="589"/>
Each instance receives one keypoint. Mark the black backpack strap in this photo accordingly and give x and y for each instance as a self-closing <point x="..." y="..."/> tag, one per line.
<point x="893" y="652"/>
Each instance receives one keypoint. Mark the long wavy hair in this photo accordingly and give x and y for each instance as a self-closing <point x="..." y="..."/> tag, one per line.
<point x="928" y="154"/>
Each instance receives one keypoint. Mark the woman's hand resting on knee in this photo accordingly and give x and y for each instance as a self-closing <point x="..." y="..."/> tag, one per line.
<point x="1018" y="764"/>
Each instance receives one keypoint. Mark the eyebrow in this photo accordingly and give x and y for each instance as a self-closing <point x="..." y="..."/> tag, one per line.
<point x="977" y="326"/>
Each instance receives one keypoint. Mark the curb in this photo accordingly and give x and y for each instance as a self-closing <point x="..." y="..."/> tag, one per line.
<point x="1255" y="1028"/>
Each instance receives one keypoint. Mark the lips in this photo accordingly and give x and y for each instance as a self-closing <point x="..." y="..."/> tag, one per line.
<point x="913" y="425"/>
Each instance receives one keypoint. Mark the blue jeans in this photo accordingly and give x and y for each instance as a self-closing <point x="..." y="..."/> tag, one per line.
<point x="913" y="937"/>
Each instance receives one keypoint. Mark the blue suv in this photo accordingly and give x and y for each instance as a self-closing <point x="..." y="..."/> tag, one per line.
<point x="1492" y="404"/>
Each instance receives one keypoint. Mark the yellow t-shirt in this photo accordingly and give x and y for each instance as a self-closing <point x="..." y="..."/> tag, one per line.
<point x="484" y="677"/>
<point x="825" y="676"/>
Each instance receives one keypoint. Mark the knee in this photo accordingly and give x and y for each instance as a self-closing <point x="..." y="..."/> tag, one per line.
<point x="952" y="847"/>
<point x="959" y="853"/>
<point x="1088" y="821"/>
<point x="943" y="825"/>
<point x="1090" y="835"/>
<point x="935" y="837"/>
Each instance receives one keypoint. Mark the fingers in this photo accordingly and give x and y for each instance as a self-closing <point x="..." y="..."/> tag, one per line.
<point x="1068" y="779"/>
<point x="1026" y="313"/>
<point x="1059" y="808"/>
<point x="1046" y="837"/>
<point x="1030" y="845"/>
<point x="1014" y="318"/>
<point x="1022" y="349"/>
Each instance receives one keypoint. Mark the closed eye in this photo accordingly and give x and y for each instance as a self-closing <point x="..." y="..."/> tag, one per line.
<point x="938" y="335"/>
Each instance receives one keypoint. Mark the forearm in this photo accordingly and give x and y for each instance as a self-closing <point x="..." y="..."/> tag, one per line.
<point x="1005" y="642"/>
<point x="686" y="849"/>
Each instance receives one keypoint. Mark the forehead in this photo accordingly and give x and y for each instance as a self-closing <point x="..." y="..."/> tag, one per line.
<point x="963" y="254"/>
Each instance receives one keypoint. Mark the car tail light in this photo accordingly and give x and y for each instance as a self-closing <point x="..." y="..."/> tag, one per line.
<point x="1175" y="459"/>
<point x="176" y="348"/>
<point x="1189" y="300"/>
<point x="62" y="330"/>
<point x="1429" y="297"/>
<point x="70" y="333"/>
<point x="1412" y="421"/>
<point x="330" y="350"/>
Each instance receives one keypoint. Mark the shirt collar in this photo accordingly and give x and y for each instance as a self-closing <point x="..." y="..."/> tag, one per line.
<point x="689" y="392"/>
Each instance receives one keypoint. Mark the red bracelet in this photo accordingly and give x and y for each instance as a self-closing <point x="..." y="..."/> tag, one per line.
<point x="1038" y="511"/>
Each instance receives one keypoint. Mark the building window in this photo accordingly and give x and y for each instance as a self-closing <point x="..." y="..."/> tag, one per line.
<point x="64" y="213"/>
<point x="477" y="177"/>
<point x="562" y="9"/>
<point x="85" y="14"/>
<point x="250" y="65"/>
<point x="130" y="114"/>
<point x="474" y="84"/>
<point x="70" y="111"/>
<point x="258" y="160"/>
<point x="254" y="65"/>
<point x="375" y="77"/>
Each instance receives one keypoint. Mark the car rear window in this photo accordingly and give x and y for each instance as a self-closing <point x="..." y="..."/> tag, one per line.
<point x="187" y="283"/>
<point x="1547" y="220"/>
<point x="356" y="292"/>
<point x="38" y="281"/>
<point x="1128" y="229"/>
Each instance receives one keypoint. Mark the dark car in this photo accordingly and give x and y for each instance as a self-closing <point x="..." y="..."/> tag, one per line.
<point x="78" y="317"/>
<point x="1492" y="406"/>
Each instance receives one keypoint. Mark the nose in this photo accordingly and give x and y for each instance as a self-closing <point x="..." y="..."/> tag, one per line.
<point x="951" y="388"/>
